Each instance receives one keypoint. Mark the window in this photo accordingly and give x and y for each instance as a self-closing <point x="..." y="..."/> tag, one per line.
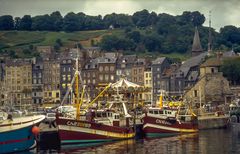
<point x="106" y="77"/>
<point x="111" y="68"/>
<point x="64" y="77"/>
<point x="39" y="75"/>
<point x="195" y="93"/>
<point x="69" y="77"/>
<point x="101" y="77"/>
<point x="100" y="68"/>
<point x="106" y="68"/>
<point x="112" y="77"/>
<point x="57" y="95"/>
<point x="64" y="86"/>
<point x="212" y="70"/>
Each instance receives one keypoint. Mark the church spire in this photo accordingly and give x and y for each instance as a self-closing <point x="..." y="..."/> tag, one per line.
<point x="209" y="35"/>
<point x="196" y="46"/>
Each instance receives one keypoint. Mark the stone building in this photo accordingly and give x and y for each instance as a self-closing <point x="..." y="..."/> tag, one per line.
<point x="44" y="50"/>
<point x="51" y="78"/>
<point x="18" y="82"/>
<point x="2" y="73"/>
<point x="37" y="81"/>
<point x="147" y="96"/>
<point x="158" y="67"/>
<point x="99" y="72"/>
<point x="137" y="73"/>
<point x="66" y="74"/>
<point x="124" y="66"/>
<point x="211" y="87"/>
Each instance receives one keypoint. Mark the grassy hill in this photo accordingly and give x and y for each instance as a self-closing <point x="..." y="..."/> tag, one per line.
<point x="20" y="39"/>
<point x="13" y="40"/>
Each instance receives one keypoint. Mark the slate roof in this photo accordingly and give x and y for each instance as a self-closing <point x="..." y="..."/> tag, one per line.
<point x="214" y="62"/>
<point x="191" y="62"/>
<point x="159" y="60"/>
<point x="196" y="46"/>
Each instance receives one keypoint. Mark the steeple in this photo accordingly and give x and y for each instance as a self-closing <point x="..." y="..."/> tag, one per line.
<point x="196" y="46"/>
<point x="209" y="35"/>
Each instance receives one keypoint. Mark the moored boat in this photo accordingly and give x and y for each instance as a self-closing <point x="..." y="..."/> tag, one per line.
<point x="166" y="121"/>
<point x="92" y="125"/>
<point x="95" y="126"/>
<point x="18" y="133"/>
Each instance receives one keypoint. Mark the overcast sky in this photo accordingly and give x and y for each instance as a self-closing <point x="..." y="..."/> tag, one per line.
<point x="224" y="12"/>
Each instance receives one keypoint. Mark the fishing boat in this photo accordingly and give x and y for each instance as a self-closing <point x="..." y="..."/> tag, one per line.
<point x="18" y="133"/>
<point x="92" y="125"/>
<point x="166" y="121"/>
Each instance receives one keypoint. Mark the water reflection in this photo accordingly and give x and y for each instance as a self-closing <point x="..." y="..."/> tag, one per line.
<point x="209" y="141"/>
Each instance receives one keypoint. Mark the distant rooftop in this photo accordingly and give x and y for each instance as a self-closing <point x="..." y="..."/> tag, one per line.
<point x="159" y="60"/>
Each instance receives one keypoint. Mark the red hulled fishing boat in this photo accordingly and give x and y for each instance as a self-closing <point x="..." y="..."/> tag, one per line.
<point x="166" y="121"/>
<point x="93" y="125"/>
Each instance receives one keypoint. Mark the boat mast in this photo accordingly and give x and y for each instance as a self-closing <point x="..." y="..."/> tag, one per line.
<point x="160" y="99"/>
<point x="77" y="88"/>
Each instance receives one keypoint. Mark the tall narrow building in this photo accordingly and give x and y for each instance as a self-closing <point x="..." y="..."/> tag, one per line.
<point x="196" y="46"/>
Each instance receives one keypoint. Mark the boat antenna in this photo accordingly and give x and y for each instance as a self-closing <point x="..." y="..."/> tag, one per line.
<point x="209" y="35"/>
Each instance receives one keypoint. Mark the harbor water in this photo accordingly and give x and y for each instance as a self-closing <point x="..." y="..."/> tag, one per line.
<point x="215" y="141"/>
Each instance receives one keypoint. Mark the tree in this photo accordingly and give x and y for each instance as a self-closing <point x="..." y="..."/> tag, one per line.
<point x="58" y="44"/>
<point x="152" y="43"/>
<point x="112" y="43"/>
<point x="93" y="23"/>
<point x="230" y="35"/>
<point x="73" y="22"/>
<point x="135" y="36"/>
<point x="17" y="21"/>
<point x="140" y="18"/>
<point x="43" y="22"/>
<point x="166" y="24"/>
<point x="195" y="18"/>
<point x="231" y="70"/>
<point x="57" y="20"/>
<point x="6" y="22"/>
<point x="25" y="23"/>
<point x="117" y="20"/>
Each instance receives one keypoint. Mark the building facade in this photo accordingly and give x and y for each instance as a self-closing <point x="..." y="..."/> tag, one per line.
<point x="158" y="67"/>
<point x="37" y="81"/>
<point x="18" y="82"/>
<point x="51" y="79"/>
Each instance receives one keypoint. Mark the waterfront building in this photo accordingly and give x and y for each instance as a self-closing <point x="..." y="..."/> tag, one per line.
<point x="211" y="87"/>
<point x="37" y="81"/>
<point x="66" y="74"/>
<point x="2" y="73"/>
<point x="51" y="78"/>
<point x="171" y="82"/>
<point x="147" y="96"/>
<point x="124" y="66"/>
<point x="158" y="67"/>
<point x="18" y="82"/>
<point x="137" y="73"/>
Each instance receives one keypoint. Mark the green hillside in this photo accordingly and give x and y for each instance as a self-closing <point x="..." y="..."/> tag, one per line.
<point x="10" y="40"/>
<point x="15" y="40"/>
